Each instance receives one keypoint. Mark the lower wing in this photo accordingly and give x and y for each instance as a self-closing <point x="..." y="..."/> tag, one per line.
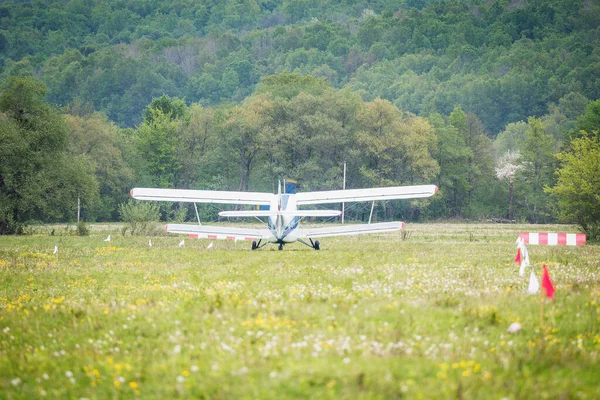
<point x="219" y="232"/>
<point x="346" y="230"/>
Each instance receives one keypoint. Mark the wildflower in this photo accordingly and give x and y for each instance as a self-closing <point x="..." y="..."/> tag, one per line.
<point x="194" y="368"/>
<point x="133" y="385"/>
<point x="273" y="375"/>
<point x="180" y="379"/>
<point x="16" y="382"/>
<point x="346" y="360"/>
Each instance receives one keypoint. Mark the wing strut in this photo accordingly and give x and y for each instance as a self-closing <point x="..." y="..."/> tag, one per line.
<point x="197" y="215"/>
<point x="371" y="215"/>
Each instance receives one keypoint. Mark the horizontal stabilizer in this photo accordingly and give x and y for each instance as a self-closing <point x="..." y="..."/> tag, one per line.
<point x="218" y="232"/>
<point x="274" y="213"/>
<point x="372" y="194"/>
<point x="346" y="230"/>
<point x="202" y="196"/>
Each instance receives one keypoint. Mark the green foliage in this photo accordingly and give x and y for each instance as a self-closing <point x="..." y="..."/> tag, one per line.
<point x="502" y="61"/>
<point x="157" y="141"/>
<point x="83" y="229"/>
<point x="141" y="217"/>
<point x="537" y="158"/>
<point x="39" y="180"/>
<point x="577" y="186"/>
<point x="173" y="108"/>
<point x="99" y="141"/>
<point x="590" y="121"/>
<point x="288" y="85"/>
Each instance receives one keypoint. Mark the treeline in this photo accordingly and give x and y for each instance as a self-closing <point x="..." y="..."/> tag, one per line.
<point x="296" y="126"/>
<point x="503" y="61"/>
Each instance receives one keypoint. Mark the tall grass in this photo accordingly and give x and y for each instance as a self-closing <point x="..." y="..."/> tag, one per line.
<point x="423" y="315"/>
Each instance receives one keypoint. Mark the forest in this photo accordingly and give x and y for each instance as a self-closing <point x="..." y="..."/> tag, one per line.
<point x="495" y="102"/>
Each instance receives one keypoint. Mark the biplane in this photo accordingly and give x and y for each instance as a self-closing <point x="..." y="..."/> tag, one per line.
<point x="283" y="212"/>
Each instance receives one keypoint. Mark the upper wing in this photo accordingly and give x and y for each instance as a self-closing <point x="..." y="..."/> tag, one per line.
<point x="345" y="230"/>
<point x="219" y="232"/>
<point x="385" y="193"/>
<point x="275" y="213"/>
<point x="202" y="196"/>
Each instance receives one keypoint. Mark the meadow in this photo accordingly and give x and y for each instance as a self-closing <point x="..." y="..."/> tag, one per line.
<point x="419" y="314"/>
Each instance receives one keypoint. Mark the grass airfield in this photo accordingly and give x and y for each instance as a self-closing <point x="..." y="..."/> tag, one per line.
<point x="419" y="315"/>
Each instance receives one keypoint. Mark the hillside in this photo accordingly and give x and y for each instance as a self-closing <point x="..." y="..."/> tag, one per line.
<point x="502" y="60"/>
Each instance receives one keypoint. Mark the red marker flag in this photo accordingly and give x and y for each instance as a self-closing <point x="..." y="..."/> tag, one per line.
<point x="518" y="256"/>
<point x="547" y="283"/>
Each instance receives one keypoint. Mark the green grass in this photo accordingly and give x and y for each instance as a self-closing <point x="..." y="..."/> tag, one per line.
<point x="366" y="317"/>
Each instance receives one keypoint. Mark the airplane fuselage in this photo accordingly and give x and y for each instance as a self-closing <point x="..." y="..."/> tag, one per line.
<point x="283" y="228"/>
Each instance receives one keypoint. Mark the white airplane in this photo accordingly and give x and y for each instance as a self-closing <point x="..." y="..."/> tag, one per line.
<point x="283" y="215"/>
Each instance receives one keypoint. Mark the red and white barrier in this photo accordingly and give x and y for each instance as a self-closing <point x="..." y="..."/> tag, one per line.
<point x="553" y="239"/>
<point x="219" y="237"/>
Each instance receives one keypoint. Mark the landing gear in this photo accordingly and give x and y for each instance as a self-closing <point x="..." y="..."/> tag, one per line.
<point x="315" y="245"/>
<point x="280" y="246"/>
<point x="254" y="245"/>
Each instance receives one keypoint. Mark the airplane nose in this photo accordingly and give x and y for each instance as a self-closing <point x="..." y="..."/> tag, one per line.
<point x="131" y="192"/>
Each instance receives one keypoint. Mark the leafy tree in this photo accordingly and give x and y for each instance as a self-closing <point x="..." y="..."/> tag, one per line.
<point x="537" y="159"/>
<point x="174" y="108"/>
<point x="288" y="85"/>
<point x="452" y="156"/>
<point x="242" y="129"/>
<point x="590" y="121"/>
<point x="157" y="142"/>
<point x="38" y="179"/>
<point x="198" y="134"/>
<point x="577" y="187"/>
<point x="97" y="139"/>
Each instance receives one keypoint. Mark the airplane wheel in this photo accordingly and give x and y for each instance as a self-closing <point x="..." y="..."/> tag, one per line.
<point x="254" y="245"/>
<point x="317" y="245"/>
<point x="280" y="246"/>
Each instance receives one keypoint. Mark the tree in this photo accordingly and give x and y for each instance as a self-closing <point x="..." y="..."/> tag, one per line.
<point x="577" y="188"/>
<point x="452" y="156"/>
<point x="97" y="139"/>
<point x="242" y="131"/>
<point x="198" y="150"/>
<point x="289" y="85"/>
<point x="590" y="121"/>
<point x="174" y="108"/>
<point x="157" y="142"/>
<point x="507" y="169"/>
<point x="537" y="158"/>
<point x="39" y="180"/>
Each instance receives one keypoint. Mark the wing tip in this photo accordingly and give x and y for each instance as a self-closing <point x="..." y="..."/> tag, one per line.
<point x="435" y="190"/>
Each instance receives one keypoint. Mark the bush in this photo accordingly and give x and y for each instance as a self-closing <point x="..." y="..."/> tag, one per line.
<point x="82" y="229"/>
<point x="141" y="217"/>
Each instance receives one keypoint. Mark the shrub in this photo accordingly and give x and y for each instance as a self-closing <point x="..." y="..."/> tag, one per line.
<point x="141" y="217"/>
